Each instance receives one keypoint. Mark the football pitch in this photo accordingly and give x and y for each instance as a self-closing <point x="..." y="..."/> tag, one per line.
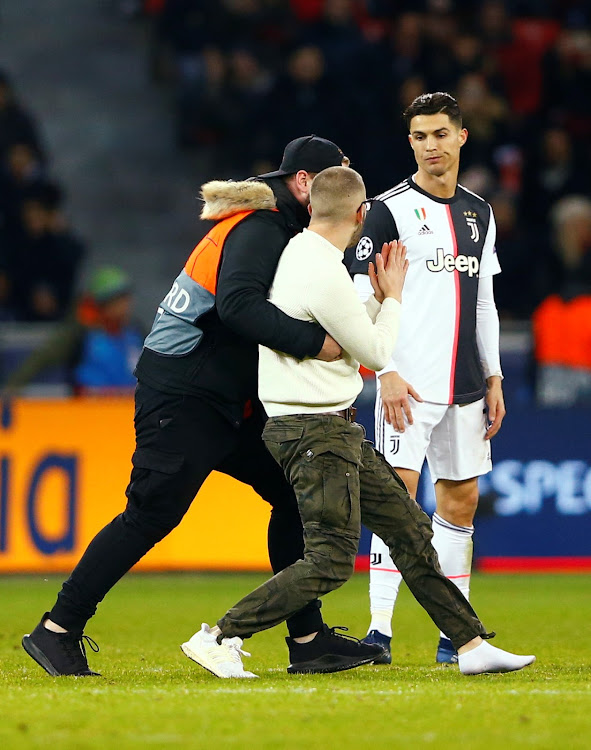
<point x="151" y="695"/>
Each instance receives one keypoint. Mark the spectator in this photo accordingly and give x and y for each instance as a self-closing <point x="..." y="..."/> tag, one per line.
<point x="484" y="114"/>
<point x="437" y="63"/>
<point x="405" y="47"/>
<point x="562" y="323"/>
<point x="22" y="172"/>
<point x="519" y="247"/>
<point x="567" y="81"/>
<point x="303" y="100"/>
<point x="45" y="257"/>
<point x="248" y="87"/>
<point x="6" y="309"/>
<point x="98" y="344"/>
<point x="339" y="38"/>
<point x="16" y="124"/>
<point x="203" y="103"/>
<point x="555" y="171"/>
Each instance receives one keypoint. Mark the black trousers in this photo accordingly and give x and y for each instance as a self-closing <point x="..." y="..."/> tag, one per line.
<point x="180" y="440"/>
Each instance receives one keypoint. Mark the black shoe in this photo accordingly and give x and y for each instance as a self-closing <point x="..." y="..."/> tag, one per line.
<point x="59" y="653"/>
<point x="374" y="636"/>
<point x="330" y="652"/>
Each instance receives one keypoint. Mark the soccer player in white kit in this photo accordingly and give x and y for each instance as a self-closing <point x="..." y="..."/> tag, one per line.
<point x="440" y="398"/>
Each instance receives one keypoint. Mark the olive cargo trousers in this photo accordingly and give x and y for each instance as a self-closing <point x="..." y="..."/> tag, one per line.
<point x="340" y="481"/>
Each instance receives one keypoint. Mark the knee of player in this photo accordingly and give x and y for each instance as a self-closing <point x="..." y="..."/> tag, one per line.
<point x="457" y="502"/>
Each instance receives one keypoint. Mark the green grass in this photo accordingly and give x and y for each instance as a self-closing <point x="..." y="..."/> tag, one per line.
<point x="150" y="695"/>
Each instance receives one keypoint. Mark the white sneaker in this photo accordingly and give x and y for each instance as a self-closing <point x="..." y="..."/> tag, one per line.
<point x="221" y="659"/>
<point x="486" y="658"/>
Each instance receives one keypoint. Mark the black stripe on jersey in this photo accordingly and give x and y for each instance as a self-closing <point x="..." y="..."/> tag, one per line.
<point x="379" y="227"/>
<point x="470" y="218"/>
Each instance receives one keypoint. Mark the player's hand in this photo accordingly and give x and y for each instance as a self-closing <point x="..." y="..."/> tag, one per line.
<point x="495" y="404"/>
<point x="391" y="268"/>
<point x="373" y="277"/>
<point x="331" y="351"/>
<point x="395" y="392"/>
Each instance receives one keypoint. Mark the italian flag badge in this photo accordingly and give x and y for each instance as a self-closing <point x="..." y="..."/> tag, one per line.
<point x="421" y="214"/>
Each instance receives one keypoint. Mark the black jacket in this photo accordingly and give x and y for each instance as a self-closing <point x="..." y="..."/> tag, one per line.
<point x="223" y="368"/>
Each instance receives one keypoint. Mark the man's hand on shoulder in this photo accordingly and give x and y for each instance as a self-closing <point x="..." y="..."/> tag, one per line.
<point x="395" y="392"/>
<point x="495" y="404"/>
<point x="331" y="351"/>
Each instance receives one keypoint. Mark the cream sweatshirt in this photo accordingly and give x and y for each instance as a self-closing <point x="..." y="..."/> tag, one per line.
<point x="311" y="283"/>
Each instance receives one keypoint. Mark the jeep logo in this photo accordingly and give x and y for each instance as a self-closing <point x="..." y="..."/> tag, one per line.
<point x="449" y="262"/>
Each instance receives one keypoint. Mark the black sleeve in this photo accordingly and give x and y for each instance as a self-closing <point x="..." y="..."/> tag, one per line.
<point x="379" y="227"/>
<point x="251" y="254"/>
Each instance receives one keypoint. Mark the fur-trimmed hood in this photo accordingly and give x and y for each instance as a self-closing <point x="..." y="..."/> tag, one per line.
<point x="223" y="198"/>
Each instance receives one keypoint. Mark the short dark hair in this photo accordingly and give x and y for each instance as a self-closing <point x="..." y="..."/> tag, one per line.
<point x="433" y="104"/>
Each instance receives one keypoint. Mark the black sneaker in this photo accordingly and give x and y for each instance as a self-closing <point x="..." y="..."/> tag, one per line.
<point x="330" y="652"/>
<point x="59" y="653"/>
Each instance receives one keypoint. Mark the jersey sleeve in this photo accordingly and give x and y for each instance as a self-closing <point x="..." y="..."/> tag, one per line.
<point x="487" y="328"/>
<point x="489" y="263"/>
<point x="379" y="227"/>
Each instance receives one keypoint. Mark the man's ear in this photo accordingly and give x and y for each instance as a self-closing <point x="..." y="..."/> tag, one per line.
<point x="310" y="209"/>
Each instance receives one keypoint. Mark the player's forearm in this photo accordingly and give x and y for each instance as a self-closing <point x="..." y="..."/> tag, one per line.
<point x="366" y="294"/>
<point x="488" y="329"/>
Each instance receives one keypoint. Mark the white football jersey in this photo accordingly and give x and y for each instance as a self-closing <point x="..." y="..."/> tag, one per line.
<point x="450" y="246"/>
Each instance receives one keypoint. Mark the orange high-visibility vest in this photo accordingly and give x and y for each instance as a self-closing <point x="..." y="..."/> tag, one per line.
<point x="202" y="265"/>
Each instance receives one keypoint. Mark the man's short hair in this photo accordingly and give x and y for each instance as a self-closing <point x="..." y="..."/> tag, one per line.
<point x="336" y="193"/>
<point x="434" y="104"/>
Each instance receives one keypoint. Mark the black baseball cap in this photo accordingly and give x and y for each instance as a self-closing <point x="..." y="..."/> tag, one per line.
<point x="310" y="153"/>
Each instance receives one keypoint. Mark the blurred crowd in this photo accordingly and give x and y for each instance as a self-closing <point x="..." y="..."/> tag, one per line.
<point x="250" y="75"/>
<point x="96" y="343"/>
<point x="40" y="256"/>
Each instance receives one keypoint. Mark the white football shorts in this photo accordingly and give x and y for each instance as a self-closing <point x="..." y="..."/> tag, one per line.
<point x="451" y="438"/>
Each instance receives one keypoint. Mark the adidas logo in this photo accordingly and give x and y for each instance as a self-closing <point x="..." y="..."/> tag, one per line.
<point x="425" y="230"/>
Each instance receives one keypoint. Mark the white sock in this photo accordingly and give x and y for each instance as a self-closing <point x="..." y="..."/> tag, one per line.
<point x="454" y="547"/>
<point x="487" y="658"/>
<point x="384" y="583"/>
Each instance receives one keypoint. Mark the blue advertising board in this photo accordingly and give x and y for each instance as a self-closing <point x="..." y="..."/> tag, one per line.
<point x="535" y="505"/>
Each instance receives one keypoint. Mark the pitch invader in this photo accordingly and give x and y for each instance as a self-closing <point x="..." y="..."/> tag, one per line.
<point x="440" y="398"/>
